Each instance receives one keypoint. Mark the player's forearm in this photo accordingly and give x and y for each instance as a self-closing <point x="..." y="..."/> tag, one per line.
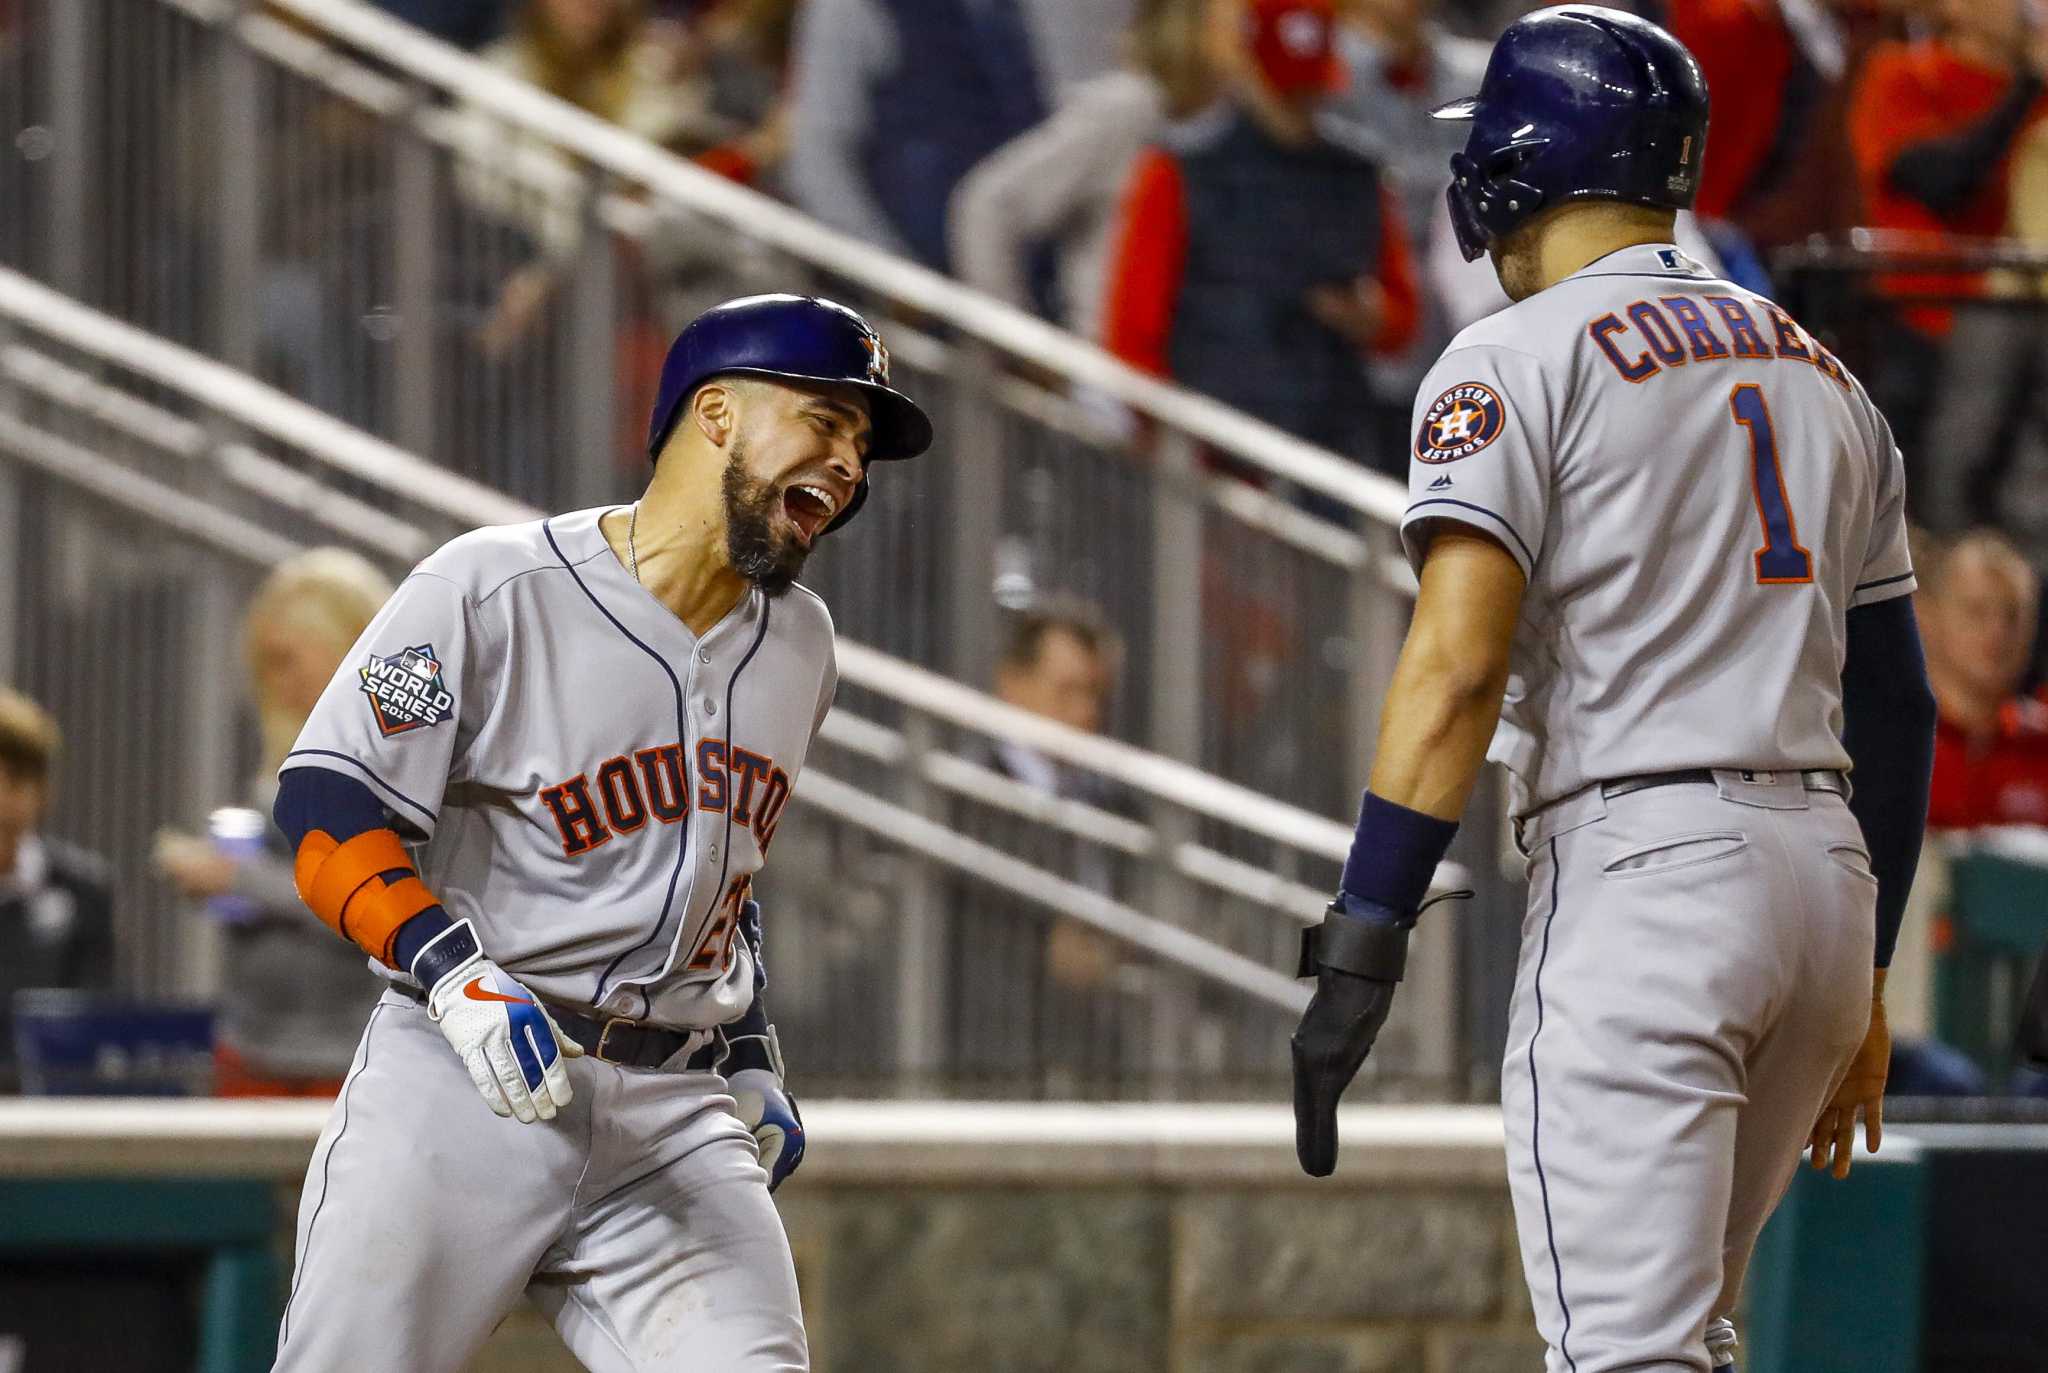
<point x="1439" y="718"/>
<point x="352" y="871"/>
<point x="1440" y="715"/>
<point x="1445" y="699"/>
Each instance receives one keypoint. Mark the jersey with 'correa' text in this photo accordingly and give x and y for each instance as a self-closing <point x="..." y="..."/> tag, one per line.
<point x="1698" y="492"/>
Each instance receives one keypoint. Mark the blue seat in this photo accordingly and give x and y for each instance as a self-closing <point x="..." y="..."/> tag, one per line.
<point x="70" y="1043"/>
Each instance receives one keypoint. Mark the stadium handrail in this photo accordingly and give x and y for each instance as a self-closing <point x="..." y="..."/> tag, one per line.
<point x="1903" y="251"/>
<point x="262" y="409"/>
<point x="607" y="148"/>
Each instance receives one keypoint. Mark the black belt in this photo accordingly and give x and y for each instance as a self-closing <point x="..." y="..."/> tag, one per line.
<point x="628" y="1043"/>
<point x="635" y="1045"/>
<point x="1812" y="780"/>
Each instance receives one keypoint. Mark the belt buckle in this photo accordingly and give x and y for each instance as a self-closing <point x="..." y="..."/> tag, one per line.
<point x="604" y="1036"/>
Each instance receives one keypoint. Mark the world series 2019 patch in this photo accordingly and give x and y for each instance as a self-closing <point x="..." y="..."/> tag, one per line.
<point x="1459" y="423"/>
<point x="406" y="690"/>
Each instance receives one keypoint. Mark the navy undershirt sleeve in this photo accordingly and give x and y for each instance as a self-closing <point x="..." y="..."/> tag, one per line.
<point x="316" y="798"/>
<point x="1888" y="730"/>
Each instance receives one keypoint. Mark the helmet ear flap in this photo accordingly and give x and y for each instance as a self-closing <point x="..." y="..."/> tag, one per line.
<point x="1489" y="199"/>
<point x="1464" y="219"/>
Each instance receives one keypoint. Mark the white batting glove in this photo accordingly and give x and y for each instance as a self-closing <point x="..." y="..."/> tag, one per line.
<point x="511" y="1046"/>
<point x="753" y="1073"/>
<point x="770" y="1112"/>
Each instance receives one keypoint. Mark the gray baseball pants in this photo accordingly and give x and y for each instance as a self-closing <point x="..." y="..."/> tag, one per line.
<point x="1694" y="981"/>
<point x="638" y="1220"/>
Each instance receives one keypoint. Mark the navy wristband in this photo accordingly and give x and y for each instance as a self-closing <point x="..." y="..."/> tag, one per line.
<point x="1394" y="855"/>
<point x="447" y="951"/>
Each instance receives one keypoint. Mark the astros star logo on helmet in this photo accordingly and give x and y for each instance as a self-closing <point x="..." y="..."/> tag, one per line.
<point x="878" y="358"/>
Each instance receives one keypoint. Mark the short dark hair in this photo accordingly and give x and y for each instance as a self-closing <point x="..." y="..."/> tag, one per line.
<point x="1028" y="629"/>
<point x="28" y="737"/>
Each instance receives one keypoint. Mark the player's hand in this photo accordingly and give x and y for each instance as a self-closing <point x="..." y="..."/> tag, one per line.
<point x="1834" y="1134"/>
<point x="194" y="865"/>
<point x="511" y="1046"/>
<point x="1357" y="956"/>
<point x="1329" y="1047"/>
<point x="767" y="1109"/>
<point x="2032" y="1041"/>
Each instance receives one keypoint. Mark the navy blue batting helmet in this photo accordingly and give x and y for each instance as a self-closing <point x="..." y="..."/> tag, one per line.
<point x="1579" y="102"/>
<point x="791" y="338"/>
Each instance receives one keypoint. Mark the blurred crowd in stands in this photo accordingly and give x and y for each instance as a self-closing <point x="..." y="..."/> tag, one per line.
<point x="1244" y="196"/>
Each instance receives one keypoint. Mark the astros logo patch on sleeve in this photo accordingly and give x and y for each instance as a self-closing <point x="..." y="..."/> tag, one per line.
<point x="1459" y="423"/>
<point x="406" y="690"/>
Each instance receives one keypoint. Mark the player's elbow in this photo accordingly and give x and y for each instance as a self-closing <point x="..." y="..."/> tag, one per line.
<point x="1463" y="678"/>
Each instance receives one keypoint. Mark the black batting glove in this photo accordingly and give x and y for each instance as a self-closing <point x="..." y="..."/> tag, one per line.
<point x="1329" y="1047"/>
<point x="1357" y="956"/>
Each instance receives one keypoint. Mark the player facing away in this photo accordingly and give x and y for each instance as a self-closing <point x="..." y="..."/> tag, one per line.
<point x="1660" y="538"/>
<point x="536" y="794"/>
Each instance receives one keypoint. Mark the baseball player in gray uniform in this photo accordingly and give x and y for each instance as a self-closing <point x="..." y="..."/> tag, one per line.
<point x="536" y="794"/>
<point x="1660" y="536"/>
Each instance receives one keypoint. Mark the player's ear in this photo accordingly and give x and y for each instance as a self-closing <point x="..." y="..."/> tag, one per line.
<point x="715" y="411"/>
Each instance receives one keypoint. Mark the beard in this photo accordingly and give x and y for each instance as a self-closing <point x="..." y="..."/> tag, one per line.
<point x="768" y="557"/>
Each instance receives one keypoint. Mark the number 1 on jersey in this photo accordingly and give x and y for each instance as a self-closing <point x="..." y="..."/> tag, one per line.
<point x="1781" y="560"/>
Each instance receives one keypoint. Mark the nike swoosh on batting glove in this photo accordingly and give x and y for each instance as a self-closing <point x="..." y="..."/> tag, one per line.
<point x="511" y="1046"/>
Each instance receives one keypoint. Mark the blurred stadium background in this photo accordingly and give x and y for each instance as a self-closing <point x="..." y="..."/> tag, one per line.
<point x="284" y="278"/>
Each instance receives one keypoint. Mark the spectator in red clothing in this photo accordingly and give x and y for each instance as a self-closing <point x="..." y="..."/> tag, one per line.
<point x="1261" y="256"/>
<point x="1778" y="165"/>
<point x="1933" y="124"/>
<point x="1977" y="606"/>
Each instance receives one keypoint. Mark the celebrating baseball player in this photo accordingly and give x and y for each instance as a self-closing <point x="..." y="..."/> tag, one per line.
<point x="1661" y="520"/>
<point x="536" y="794"/>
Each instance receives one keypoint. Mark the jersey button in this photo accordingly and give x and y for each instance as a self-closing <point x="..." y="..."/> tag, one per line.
<point x="711" y="852"/>
<point x="710" y="706"/>
<point x="703" y="655"/>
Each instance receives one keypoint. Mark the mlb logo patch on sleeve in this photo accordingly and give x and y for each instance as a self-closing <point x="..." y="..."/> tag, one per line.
<point x="406" y="690"/>
<point x="1459" y="423"/>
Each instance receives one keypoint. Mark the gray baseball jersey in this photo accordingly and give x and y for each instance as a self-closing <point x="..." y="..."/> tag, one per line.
<point x="594" y="785"/>
<point x="1698" y="492"/>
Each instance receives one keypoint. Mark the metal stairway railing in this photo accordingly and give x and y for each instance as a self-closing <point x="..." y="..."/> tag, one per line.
<point x="913" y="886"/>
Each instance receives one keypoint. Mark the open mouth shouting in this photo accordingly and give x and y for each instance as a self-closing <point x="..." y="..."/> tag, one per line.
<point x="810" y="507"/>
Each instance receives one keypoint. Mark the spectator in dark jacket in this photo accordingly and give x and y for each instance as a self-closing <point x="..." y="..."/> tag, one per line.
<point x="1060" y="183"/>
<point x="1261" y="256"/>
<point x="1036" y="999"/>
<point x="56" y="904"/>
<point x="894" y="101"/>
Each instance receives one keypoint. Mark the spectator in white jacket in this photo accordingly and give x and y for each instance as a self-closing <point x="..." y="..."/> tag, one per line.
<point x="1060" y="183"/>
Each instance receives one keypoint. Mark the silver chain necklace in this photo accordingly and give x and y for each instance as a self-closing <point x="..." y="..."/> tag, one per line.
<point x="632" y="550"/>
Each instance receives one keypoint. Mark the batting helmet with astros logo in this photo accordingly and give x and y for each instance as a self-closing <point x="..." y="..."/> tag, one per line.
<point x="792" y="338"/>
<point x="1579" y="102"/>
